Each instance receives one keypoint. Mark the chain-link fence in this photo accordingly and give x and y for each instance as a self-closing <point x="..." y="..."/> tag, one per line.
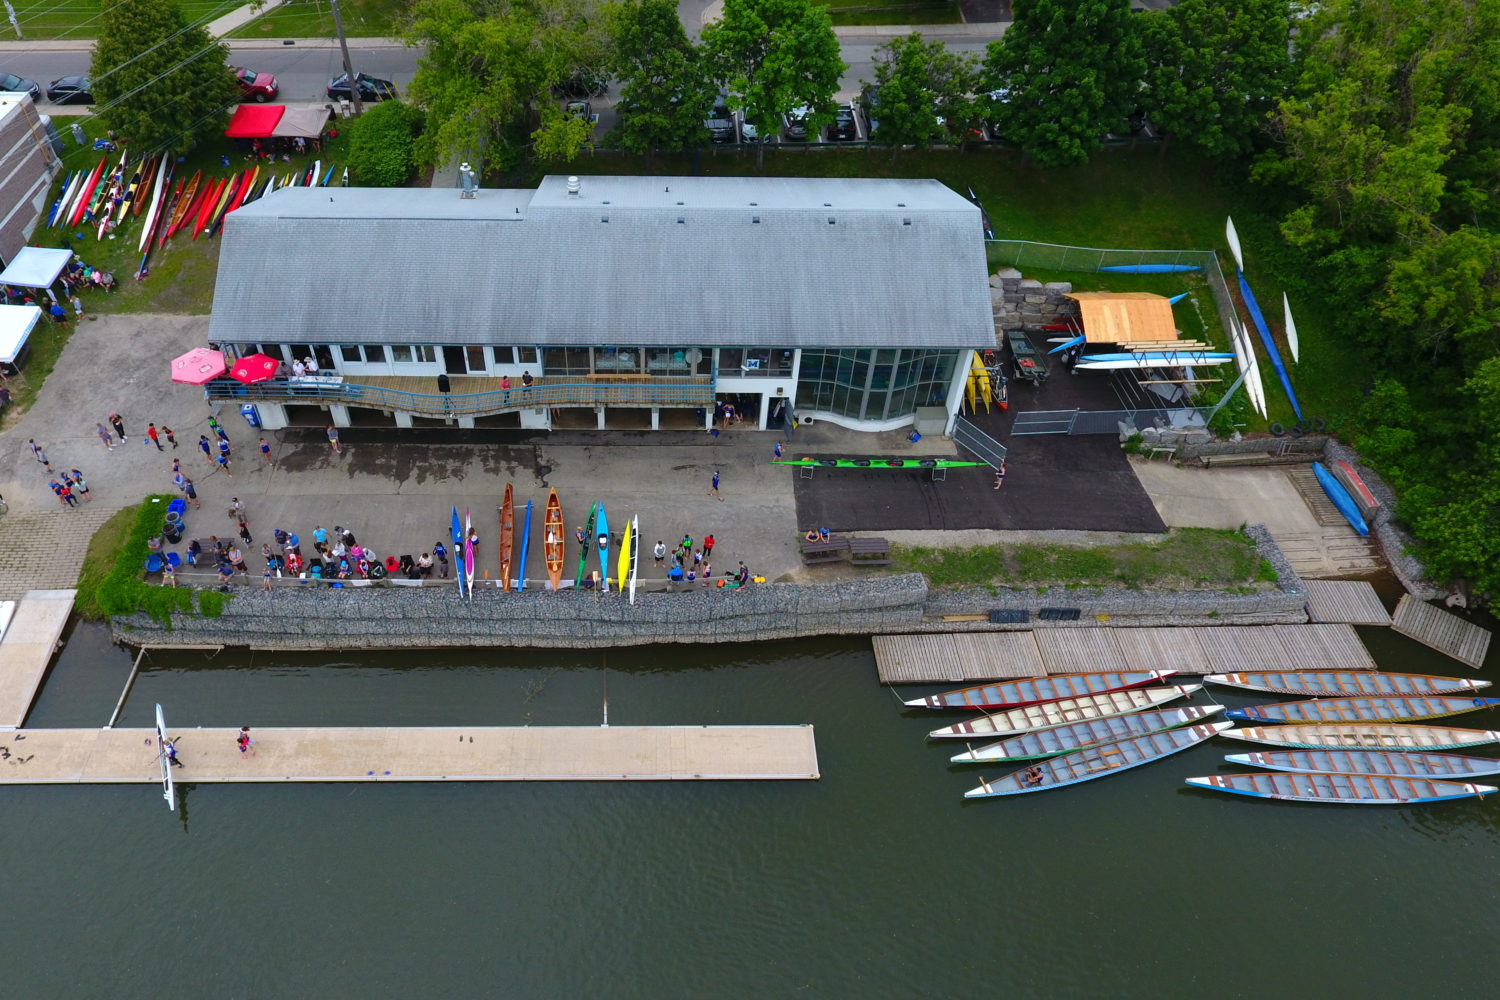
<point x="1022" y="254"/>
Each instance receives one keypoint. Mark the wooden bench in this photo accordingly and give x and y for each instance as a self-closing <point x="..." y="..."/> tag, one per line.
<point x="869" y="552"/>
<point x="833" y="550"/>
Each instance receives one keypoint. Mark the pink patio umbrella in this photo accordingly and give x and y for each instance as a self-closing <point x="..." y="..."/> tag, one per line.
<point x="198" y="366"/>
<point x="254" y="368"/>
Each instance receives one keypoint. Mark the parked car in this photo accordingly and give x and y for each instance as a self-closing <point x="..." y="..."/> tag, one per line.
<point x="869" y="102"/>
<point x="71" y="90"/>
<point x="749" y="134"/>
<point x="20" y="85"/>
<point x="720" y="121"/>
<point x="370" y="88"/>
<point x="257" y="87"/>
<point x="844" y="127"/>
<point x="794" y="124"/>
<point x="579" y="109"/>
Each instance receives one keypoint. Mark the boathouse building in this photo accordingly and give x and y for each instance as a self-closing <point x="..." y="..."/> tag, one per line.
<point x="631" y="302"/>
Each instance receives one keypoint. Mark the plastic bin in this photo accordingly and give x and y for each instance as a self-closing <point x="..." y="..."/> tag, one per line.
<point x="251" y="414"/>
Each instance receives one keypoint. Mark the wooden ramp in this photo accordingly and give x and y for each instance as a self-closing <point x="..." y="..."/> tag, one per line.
<point x="1306" y="483"/>
<point x="31" y="637"/>
<point x="937" y="658"/>
<point x="540" y="753"/>
<point x="1443" y="631"/>
<point x="1349" y="602"/>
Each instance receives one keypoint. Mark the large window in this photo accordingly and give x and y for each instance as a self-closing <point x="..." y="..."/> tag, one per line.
<point x="567" y="361"/>
<point x="874" y="385"/>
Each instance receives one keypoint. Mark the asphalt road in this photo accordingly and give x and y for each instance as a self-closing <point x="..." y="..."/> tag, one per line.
<point x="303" y="72"/>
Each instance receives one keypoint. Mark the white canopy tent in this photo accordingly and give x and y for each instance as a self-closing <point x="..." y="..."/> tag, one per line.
<point x="36" y="267"/>
<point x="16" y="324"/>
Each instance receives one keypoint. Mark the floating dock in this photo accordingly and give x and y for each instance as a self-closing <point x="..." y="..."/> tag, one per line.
<point x="1441" y="630"/>
<point x="1350" y="602"/>
<point x="31" y="637"/>
<point x="942" y="658"/>
<point x="539" y="753"/>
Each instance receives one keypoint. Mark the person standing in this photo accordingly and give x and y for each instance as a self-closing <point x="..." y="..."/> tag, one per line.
<point x="243" y="740"/>
<point x="213" y="425"/>
<point x="59" y="315"/>
<point x="708" y="547"/>
<point x="224" y="464"/>
<point x="333" y="439"/>
<point x="776" y="451"/>
<point x="39" y="454"/>
<point x="441" y="553"/>
<point x="526" y="380"/>
<point x="77" y="304"/>
<point x="320" y="540"/>
<point x="245" y="533"/>
<point x="66" y="493"/>
<point x="172" y="438"/>
<point x="118" y="423"/>
<point x="224" y="447"/>
<point x="265" y="577"/>
<point x="265" y="451"/>
<point x="205" y="447"/>
<point x="104" y="435"/>
<point x="713" y="490"/>
<point x="151" y="433"/>
<point x="81" y="487"/>
<point x="504" y="390"/>
<point x="236" y="510"/>
<point x="191" y="491"/>
<point x="660" y="552"/>
<point x="1000" y="475"/>
<point x="169" y="747"/>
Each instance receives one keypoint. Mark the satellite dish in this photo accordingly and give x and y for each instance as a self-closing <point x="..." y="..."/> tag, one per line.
<point x="694" y="355"/>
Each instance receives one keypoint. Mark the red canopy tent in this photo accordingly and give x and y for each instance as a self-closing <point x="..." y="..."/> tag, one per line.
<point x="255" y="121"/>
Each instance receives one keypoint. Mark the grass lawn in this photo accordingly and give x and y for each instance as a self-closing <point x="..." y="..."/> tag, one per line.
<point x="1188" y="558"/>
<point x="104" y="551"/>
<point x="56" y="19"/>
<point x="183" y="272"/>
<point x="893" y="12"/>
<point x="362" y="19"/>
<point x="43" y="348"/>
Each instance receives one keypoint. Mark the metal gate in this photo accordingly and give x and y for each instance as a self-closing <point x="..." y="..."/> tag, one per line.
<point x="1107" y="421"/>
<point x="1044" y="422"/>
<point x="984" y="447"/>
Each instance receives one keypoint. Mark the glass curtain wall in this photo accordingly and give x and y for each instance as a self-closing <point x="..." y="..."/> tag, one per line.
<point x="874" y="384"/>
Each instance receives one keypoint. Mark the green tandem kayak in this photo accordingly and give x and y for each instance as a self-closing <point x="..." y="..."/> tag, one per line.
<point x="875" y="463"/>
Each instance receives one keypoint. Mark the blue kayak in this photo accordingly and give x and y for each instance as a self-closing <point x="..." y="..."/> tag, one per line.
<point x="1151" y="268"/>
<point x="1341" y="498"/>
<point x="458" y="550"/>
<point x="525" y="544"/>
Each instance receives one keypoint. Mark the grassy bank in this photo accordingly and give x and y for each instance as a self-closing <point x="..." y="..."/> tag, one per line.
<point x="1189" y="558"/>
<point x="112" y="580"/>
<point x="856" y="12"/>
<point x="362" y="19"/>
<point x="43" y="20"/>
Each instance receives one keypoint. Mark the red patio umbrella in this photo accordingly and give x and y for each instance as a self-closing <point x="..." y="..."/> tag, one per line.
<point x="198" y="366"/>
<point x="254" y="368"/>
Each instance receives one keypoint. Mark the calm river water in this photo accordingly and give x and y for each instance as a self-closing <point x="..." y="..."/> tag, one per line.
<point x="877" y="881"/>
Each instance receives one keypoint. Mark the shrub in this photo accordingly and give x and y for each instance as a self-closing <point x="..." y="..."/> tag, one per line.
<point x="381" y="148"/>
<point x="115" y="584"/>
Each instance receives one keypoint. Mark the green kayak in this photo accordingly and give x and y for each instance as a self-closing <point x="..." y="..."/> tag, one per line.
<point x="875" y="463"/>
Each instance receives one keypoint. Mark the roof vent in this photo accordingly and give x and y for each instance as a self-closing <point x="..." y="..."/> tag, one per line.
<point x="681" y="221"/>
<point x="679" y="203"/>
<point x="830" y="220"/>
<point x="574" y="186"/>
<point x="827" y="204"/>
<point x="906" y="222"/>
<point x="755" y="219"/>
<point x="900" y="204"/>
<point x="755" y="204"/>
<point x="603" y="218"/>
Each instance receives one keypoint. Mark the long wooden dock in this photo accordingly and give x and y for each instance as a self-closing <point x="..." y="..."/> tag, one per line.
<point x="541" y="753"/>
<point x="1441" y="630"/>
<point x="938" y="658"/>
<point x="31" y="637"/>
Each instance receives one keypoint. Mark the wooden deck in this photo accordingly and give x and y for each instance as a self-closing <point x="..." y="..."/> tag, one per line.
<point x="1316" y="498"/>
<point x="541" y="753"/>
<point x="938" y="658"/>
<point x="31" y="637"/>
<point x="1350" y="602"/>
<point x="1445" y="632"/>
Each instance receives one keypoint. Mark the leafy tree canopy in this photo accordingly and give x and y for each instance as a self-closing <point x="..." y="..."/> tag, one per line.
<point x="665" y="94"/>
<point x="157" y="84"/>
<point x="1070" y="71"/>
<point x="921" y="82"/>
<point x="774" y="56"/>
<point x="1216" y="70"/>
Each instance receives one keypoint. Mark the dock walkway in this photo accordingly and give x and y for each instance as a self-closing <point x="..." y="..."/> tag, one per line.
<point x="1351" y="602"/>
<point x="541" y="753"/>
<point x="31" y="637"/>
<point x="939" y="658"/>
<point x="1441" y="630"/>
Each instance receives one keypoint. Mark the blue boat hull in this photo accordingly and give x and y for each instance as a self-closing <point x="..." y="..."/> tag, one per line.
<point x="1269" y="342"/>
<point x="1341" y="498"/>
<point x="1151" y="268"/>
<point x="458" y="550"/>
<point x="525" y="544"/>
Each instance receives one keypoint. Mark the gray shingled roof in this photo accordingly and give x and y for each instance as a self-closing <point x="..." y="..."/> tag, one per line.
<point x="902" y="264"/>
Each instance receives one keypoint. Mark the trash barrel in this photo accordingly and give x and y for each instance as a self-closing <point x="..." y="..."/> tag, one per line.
<point x="173" y="532"/>
<point x="251" y="414"/>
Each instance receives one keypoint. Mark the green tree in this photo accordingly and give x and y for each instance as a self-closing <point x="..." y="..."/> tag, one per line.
<point x="773" y="56"/>
<point x="924" y="88"/>
<point x="157" y="83"/>
<point x="1446" y="293"/>
<point x="665" y="95"/>
<point x="1070" y="71"/>
<point x="1216" y="70"/>
<point x="382" y="144"/>
<point x="489" y="69"/>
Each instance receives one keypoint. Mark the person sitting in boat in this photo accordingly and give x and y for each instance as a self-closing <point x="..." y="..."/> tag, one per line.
<point x="603" y="541"/>
<point x="1033" y="775"/>
<point x="582" y="538"/>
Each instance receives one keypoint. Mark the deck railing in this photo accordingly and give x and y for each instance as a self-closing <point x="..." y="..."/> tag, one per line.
<point x="679" y="392"/>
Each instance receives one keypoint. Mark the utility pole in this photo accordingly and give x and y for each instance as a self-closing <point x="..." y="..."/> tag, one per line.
<point x="338" y="25"/>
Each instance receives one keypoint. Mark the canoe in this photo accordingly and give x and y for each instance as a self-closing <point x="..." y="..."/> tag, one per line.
<point x="1269" y="343"/>
<point x="1163" y="356"/>
<point x="1341" y="498"/>
<point x="507" y="535"/>
<point x="1096" y="761"/>
<point x="1027" y="691"/>
<point x="148" y="177"/>
<point x="1065" y="711"/>
<point x="244" y="191"/>
<point x="128" y="196"/>
<point x="468" y="554"/>
<point x="236" y="186"/>
<point x="601" y="544"/>
<point x="1170" y="359"/>
<point x="1150" y="268"/>
<point x="875" y="463"/>
<point x="458" y="551"/>
<point x="1400" y="765"/>
<point x="185" y="202"/>
<point x="1233" y="237"/>
<point x="585" y="542"/>
<point x="1244" y="358"/>
<point x="162" y="180"/>
<point x="622" y="564"/>
<point x="70" y="196"/>
<point x="1341" y="789"/>
<point x="1342" y="683"/>
<point x="525" y="547"/>
<point x="635" y="553"/>
<point x="200" y="219"/>
<point x="62" y="196"/>
<point x="1066" y="343"/>
<point x="1081" y="735"/>
<point x="85" y="194"/>
<point x="1358" y="491"/>
<point x="554" y="540"/>
<point x="1362" y="708"/>
<point x="1291" y="329"/>
<point x="1366" y="736"/>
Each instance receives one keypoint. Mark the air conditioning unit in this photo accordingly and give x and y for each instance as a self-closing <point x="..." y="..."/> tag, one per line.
<point x="805" y="420"/>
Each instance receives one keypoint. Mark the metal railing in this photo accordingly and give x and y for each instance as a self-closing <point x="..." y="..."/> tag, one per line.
<point x="1077" y="422"/>
<point x="1057" y="257"/>
<point x="984" y="447"/>
<point x="677" y="392"/>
